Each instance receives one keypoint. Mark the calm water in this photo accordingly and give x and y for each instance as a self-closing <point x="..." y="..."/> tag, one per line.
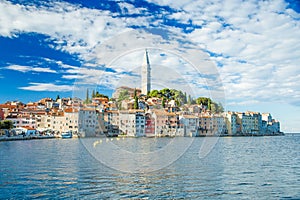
<point x="236" y="168"/>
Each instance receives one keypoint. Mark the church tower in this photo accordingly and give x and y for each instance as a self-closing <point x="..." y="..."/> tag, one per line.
<point x="146" y="74"/>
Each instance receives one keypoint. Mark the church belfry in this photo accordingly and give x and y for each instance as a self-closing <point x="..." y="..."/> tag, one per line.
<point x="146" y="74"/>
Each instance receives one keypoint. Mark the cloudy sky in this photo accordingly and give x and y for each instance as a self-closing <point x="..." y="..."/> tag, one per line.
<point x="245" y="54"/>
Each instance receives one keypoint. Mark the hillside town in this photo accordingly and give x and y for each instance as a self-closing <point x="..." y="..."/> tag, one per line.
<point x="133" y="117"/>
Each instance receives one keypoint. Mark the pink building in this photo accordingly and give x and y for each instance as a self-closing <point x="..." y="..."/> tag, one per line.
<point x="149" y="125"/>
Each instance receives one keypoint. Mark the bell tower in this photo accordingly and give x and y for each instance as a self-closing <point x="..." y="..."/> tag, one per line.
<point x="146" y="74"/>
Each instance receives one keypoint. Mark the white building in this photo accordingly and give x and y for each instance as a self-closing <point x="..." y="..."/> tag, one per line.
<point x="25" y="121"/>
<point x="132" y="123"/>
<point x="190" y="125"/>
<point x="111" y="122"/>
<point x="231" y="123"/>
<point x="219" y="125"/>
<point x="58" y="122"/>
<point x="43" y="121"/>
<point x="71" y="117"/>
<point x="250" y="122"/>
<point x="90" y="122"/>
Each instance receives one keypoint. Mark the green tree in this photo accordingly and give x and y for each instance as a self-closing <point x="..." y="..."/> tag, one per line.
<point x="213" y="107"/>
<point x="163" y="103"/>
<point x="124" y="95"/>
<point x="153" y="93"/>
<point x="209" y="104"/>
<point x="166" y="92"/>
<point x="57" y="97"/>
<point x="6" y="124"/>
<point x="93" y="94"/>
<point x="203" y="100"/>
<point x="179" y="97"/>
<point x="219" y="108"/>
<point x="136" y="103"/>
<point x="134" y="93"/>
<point x="189" y="101"/>
<point x="100" y="95"/>
<point x="177" y="102"/>
<point x="185" y="98"/>
<point x="87" y="98"/>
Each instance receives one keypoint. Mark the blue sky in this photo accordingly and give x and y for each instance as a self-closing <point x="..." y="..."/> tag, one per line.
<point x="245" y="54"/>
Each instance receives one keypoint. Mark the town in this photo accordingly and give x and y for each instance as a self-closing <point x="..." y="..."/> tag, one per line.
<point x="132" y="112"/>
<point x="129" y="113"/>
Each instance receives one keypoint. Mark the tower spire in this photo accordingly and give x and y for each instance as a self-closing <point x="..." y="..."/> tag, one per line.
<point x="146" y="74"/>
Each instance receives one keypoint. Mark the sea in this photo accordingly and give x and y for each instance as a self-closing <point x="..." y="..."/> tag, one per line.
<point x="152" y="168"/>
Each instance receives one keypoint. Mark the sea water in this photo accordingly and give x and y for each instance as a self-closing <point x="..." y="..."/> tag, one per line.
<point x="234" y="168"/>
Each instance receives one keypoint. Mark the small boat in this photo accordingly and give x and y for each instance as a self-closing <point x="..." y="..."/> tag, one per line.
<point x="66" y="135"/>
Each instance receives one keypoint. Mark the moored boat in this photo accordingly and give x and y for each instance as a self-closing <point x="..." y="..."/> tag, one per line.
<point x="66" y="135"/>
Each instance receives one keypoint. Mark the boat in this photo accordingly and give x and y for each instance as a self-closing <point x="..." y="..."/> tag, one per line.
<point x="66" y="135"/>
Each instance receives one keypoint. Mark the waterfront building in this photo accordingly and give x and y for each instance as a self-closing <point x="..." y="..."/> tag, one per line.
<point x="250" y="122"/>
<point x="58" y="122"/>
<point x="274" y="128"/>
<point x="111" y="122"/>
<point x="205" y="125"/>
<point x="132" y="122"/>
<point x="90" y="122"/>
<point x="160" y="118"/>
<point x="149" y="125"/>
<point x="43" y="121"/>
<point x="190" y="125"/>
<point x="71" y="120"/>
<point x="267" y="117"/>
<point x="174" y="127"/>
<point x="29" y="130"/>
<point x="166" y="123"/>
<point x="231" y="123"/>
<point x="219" y="126"/>
<point x="22" y="121"/>
<point x="257" y="122"/>
<point x="270" y="125"/>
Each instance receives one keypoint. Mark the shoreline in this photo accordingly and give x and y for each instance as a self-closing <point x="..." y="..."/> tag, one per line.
<point x="16" y="138"/>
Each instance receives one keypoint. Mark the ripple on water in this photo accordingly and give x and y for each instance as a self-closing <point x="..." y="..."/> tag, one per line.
<point x="236" y="168"/>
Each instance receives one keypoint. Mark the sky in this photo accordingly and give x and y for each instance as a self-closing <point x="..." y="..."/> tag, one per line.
<point x="244" y="54"/>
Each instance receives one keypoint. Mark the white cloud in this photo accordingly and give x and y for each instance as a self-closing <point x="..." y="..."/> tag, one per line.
<point x="257" y="42"/>
<point x="48" y="87"/>
<point x="74" y="29"/>
<point x="30" y="69"/>
<point x="263" y="35"/>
